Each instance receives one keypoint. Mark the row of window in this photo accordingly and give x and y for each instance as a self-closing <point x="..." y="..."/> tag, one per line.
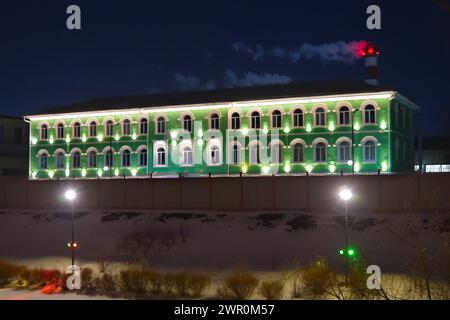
<point x="320" y="114"/>
<point x="214" y="156"/>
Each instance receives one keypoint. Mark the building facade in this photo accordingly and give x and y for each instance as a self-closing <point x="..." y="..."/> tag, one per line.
<point x="290" y="129"/>
<point x="13" y="146"/>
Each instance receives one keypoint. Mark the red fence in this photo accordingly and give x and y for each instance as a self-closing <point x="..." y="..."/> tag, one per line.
<point x="427" y="192"/>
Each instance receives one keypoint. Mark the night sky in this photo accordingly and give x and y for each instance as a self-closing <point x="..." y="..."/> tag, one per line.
<point x="141" y="47"/>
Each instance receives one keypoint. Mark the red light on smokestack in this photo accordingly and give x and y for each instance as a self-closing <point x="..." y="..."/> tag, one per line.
<point x="370" y="54"/>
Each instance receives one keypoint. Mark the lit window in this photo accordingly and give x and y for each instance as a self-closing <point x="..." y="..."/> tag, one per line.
<point x="343" y="151"/>
<point x="369" y="114"/>
<point x="255" y="153"/>
<point x="44" y="132"/>
<point x="215" y="155"/>
<point x="161" y="157"/>
<point x="126" y="127"/>
<point x="276" y="153"/>
<point x="126" y="158"/>
<point x="255" y="120"/>
<point x="369" y="151"/>
<point x="92" y="159"/>
<point x="76" y="130"/>
<point x="76" y="160"/>
<point x="143" y="126"/>
<point x="298" y="153"/>
<point x="161" y="125"/>
<point x="344" y="116"/>
<point x="236" y="154"/>
<point x="60" y="160"/>
<point x="109" y="158"/>
<point x="92" y="129"/>
<point x="235" y="121"/>
<point x="187" y="158"/>
<point x="320" y="117"/>
<point x="298" y="118"/>
<point x="143" y="158"/>
<point x="109" y="128"/>
<point x="187" y="123"/>
<point x="320" y="152"/>
<point x="60" y="131"/>
<point x="276" y="119"/>
<point x="43" y="161"/>
<point x="214" y="121"/>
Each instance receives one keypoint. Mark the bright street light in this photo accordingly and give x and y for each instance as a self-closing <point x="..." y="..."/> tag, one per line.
<point x="70" y="195"/>
<point x="345" y="194"/>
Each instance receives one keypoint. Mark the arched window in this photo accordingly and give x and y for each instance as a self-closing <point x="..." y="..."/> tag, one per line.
<point x="298" y="153"/>
<point x="297" y="118"/>
<point x="215" y="122"/>
<point x="143" y="126"/>
<point x="214" y="155"/>
<point x="276" y="153"/>
<point x="320" y="117"/>
<point x="161" y="125"/>
<point x="60" y="131"/>
<point x="92" y="129"/>
<point x="43" y="161"/>
<point x="343" y="151"/>
<point x="126" y="127"/>
<point x="126" y="158"/>
<point x="186" y="156"/>
<point x="77" y="130"/>
<point x="255" y="120"/>
<point x="276" y="119"/>
<point x="369" y="151"/>
<point x="320" y="152"/>
<point x="369" y="114"/>
<point x="255" y="153"/>
<point x="187" y="123"/>
<point x="143" y="158"/>
<point x="44" y="132"/>
<point x="161" y="157"/>
<point x="76" y="160"/>
<point x="235" y="154"/>
<point x="235" y="121"/>
<point x="109" y="158"/>
<point x="92" y="159"/>
<point x="344" y="116"/>
<point x="109" y="128"/>
<point x="60" y="157"/>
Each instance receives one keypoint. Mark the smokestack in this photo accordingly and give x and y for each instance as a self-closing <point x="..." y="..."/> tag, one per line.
<point x="370" y="54"/>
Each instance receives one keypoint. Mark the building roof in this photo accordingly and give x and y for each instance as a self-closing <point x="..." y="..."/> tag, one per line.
<point x="299" y="89"/>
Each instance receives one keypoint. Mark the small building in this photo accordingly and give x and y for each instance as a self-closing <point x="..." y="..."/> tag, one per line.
<point x="433" y="154"/>
<point x="13" y="146"/>
<point x="314" y="127"/>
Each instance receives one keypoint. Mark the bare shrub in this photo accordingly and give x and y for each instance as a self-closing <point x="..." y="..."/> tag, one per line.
<point x="155" y="281"/>
<point x="169" y="283"/>
<point x="321" y="281"/>
<point x="133" y="279"/>
<point x="181" y="284"/>
<point x="106" y="283"/>
<point x="197" y="284"/>
<point x="9" y="272"/>
<point x="271" y="289"/>
<point x="240" y="285"/>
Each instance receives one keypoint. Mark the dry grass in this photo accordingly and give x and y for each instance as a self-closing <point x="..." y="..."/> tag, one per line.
<point x="240" y="285"/>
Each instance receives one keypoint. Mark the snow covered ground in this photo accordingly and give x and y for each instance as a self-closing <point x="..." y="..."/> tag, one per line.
<point x="217" y="240"/>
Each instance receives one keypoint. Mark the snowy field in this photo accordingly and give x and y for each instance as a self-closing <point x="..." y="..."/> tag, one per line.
<point x="218" y="240"/>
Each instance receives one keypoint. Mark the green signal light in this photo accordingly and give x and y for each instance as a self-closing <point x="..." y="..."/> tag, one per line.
<point x="341" y="252"/>
<point x="351" y="252"/>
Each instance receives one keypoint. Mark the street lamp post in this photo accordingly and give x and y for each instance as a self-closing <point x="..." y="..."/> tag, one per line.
<point x="345" y="195"/>
<point x="71" y="195"/>
<point x="353" y="140"/>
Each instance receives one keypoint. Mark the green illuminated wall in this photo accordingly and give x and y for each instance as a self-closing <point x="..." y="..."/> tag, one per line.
<point x="386" y="130"/>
